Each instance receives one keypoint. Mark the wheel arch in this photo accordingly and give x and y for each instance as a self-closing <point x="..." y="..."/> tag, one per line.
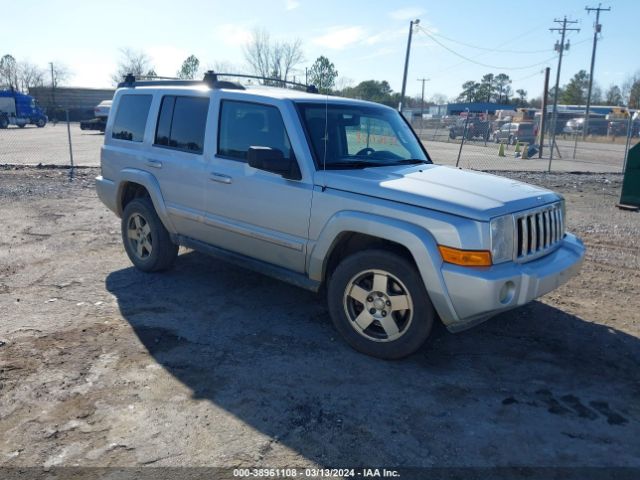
<point x="347" y="231"/>
<point x="136" y="183"/>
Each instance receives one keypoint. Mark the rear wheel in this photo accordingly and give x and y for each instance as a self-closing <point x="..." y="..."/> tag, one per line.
<point x="4" y="122"/>
<point x="378" y="303"/>
<point x="41" y="123"/>
<point x="145" y="239"/>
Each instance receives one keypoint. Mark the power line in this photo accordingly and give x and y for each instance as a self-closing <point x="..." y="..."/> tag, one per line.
<point x="596" y="30"/>
<point x="497" y="67"/>
<point x="493" y="50"/>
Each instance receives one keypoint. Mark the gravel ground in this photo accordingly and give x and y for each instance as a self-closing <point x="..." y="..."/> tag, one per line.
<point x="211" y="365"/>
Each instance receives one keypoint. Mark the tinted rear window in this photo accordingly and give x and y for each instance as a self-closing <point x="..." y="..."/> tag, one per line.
<point x="131" y="118"/>
<point x="182" y="123"/>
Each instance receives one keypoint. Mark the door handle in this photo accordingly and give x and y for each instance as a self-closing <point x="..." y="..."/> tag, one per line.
<point x="220" y="177"/>
<point x="154" y="163"/>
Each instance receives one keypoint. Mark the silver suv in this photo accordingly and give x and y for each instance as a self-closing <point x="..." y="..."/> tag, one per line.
<point x="331" y="194"/>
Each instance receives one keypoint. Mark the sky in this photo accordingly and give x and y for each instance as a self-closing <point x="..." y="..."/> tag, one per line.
<point x="364" y="39"/>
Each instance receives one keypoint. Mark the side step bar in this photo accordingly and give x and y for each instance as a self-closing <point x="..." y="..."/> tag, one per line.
<point x="279" y="273"/>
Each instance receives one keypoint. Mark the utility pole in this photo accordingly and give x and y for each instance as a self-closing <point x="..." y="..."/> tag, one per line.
<point x="559" y="47"/>
<point x="596" y="30"/>
<point x="423" y="80"/>
<point x="543" y="117"/>
<point x="406" y="63"/>
<point x="53" y="86"/>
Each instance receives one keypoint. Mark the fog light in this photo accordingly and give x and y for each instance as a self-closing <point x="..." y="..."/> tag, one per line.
<point x="506" y="292"/>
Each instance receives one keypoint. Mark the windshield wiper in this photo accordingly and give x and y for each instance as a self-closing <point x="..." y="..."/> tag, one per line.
<point x="353" y="164"/>
<point x="409" y="161"/>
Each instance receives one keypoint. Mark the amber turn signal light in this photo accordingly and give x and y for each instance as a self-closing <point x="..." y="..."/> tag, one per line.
<point x="466" y="258"/>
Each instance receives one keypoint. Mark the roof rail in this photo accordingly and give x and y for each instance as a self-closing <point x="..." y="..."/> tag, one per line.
<point x="273" y="81"/>
<point x="211" y="80"/>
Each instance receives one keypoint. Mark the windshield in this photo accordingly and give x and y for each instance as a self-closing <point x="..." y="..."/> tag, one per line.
<point x="355" y="136"/>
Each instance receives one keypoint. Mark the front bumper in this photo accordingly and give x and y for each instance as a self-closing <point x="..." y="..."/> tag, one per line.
<point x="477" y="294"/>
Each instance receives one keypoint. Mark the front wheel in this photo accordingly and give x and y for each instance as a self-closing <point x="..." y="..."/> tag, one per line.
<point x="41" y="123"/>
<point x="379" y="304"/>
<point x="145" y="239"/>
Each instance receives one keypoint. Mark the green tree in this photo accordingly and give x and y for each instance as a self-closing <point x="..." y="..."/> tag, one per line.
<point x="522" y="97"/>
<point x="469" y="91"/>
<point x="613" y="95"/>
<point x="575" y="92"/>
<point x="189" y="68"/>
<point x="323" y="74"/>
<point x="374" y="91"/>
<point x="503" y="87"/>
<point x="634" y="95"/>
<point x="487" y="88"/>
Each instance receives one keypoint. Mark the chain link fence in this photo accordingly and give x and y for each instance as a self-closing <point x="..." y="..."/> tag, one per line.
<point x="59" y="143"/>
<point x="481" y="143"/>
<point x="473" y="143"/>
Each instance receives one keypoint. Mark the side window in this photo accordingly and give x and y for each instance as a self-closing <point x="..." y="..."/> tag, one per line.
<point x="243" y="125"/>
<point x="131" y="118"/>
<point x="182" y="123"/>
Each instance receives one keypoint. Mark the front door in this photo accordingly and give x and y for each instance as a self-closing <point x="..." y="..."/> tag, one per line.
<point x="250" y="211"/>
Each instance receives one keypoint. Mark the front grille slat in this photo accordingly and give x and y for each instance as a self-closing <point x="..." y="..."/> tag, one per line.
<point x="538" y="232"/>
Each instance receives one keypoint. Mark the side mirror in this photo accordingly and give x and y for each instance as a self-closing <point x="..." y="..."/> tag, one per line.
<point x="272" y="160"/>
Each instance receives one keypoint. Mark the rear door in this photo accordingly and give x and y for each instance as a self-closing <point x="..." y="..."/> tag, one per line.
<point x="177" y="158"/>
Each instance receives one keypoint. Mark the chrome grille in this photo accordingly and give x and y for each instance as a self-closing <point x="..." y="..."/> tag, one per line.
<point x="538" y="232"/>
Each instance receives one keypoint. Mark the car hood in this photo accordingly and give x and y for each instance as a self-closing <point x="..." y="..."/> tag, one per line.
<point x="465" y="193"/>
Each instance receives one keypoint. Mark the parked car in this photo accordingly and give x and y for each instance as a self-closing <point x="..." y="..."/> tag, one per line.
<point x="619" y="127"/>
<point x="99" y="122"/>
<point x="474" y="128"/>
<point x="331" y="194"/>
<point x="597" y="126"/>
<point x="511" y="133"/>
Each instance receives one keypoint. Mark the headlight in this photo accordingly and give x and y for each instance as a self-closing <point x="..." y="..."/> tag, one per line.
<point x="502" y="239"/>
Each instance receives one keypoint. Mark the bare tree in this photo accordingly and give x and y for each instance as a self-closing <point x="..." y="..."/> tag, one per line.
<point x="272" y="59"/>
<point x="59" y="74"/>
<point x="8" y="72"/>
<point x="291" y="56"/>
<point x="135" y="62"/>
<point x="30" y="75"/>
<point x="631" y="89"/>
<point x="258" y="52"/>
<point x="344" y="82"/>
<point x="438" y="99"/>
<point x="222" y="67"/>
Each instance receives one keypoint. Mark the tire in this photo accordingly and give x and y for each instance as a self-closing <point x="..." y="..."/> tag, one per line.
<point x="511" y="140"/>
<point x="4" y="123"/>
<point x="145" y="239"/>
<point x="376" y="277"/>
<point x="41" y="123"/>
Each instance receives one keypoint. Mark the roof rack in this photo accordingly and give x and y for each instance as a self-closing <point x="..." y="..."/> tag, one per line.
<point x="211" y="80"/>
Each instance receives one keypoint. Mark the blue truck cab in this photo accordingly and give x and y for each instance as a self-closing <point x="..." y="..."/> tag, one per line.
<point x="19" y="109"/>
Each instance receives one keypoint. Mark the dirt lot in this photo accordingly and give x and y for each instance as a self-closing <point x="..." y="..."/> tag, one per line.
<point x="211" y="365"/>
